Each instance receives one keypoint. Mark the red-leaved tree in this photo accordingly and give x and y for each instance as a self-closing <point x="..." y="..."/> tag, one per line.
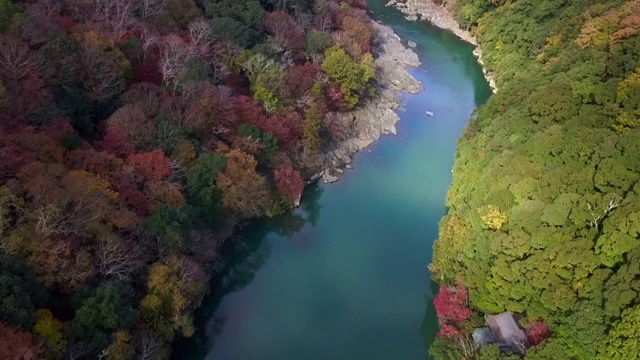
<point x="286" y="32"/>
<point x="19" y="345"/>
<point x="538" y="332"/>
<point x="451" y="308"/>
<point x="153" y="166"/>
<point x="336" y="97"/>
<point x="301" y="78"/>
<point x="289" y="182"/>
<point x="116" y="142"/>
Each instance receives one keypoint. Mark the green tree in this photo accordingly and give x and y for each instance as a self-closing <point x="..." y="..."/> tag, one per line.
<point x="444" y="349"/>
<point x="582" y="331"/>
<point x="172" y="291"/>
<point x="183" y="12"/>
<point x="267" y="142"/>
<point x="317" y="42"/>
<point x="201" y="183"/>
<point x="311" y="132"/>
<point x="231" y="30"/>
<point x="353" y="77"/>
<point x="248" y="12"/>
<point x="167" y="226"/>
<point x="8" y="12"/>
<point x="196" y="70"/>
<point x="106" y="311"/>
<point x="50" y="329"/>
<point x="623" y="341"/>
<point x="20" y="293"/>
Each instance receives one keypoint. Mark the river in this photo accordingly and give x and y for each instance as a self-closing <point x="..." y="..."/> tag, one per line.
<point x="345" y="276"/>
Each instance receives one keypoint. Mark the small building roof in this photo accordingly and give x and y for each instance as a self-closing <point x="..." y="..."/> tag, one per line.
<point x="507" y="333"/>
<point x="483" y="336"/>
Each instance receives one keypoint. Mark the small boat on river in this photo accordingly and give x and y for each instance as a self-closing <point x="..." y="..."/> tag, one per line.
<point x="315" y="177"/>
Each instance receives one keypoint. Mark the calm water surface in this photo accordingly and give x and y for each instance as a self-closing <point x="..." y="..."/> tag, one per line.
<point x="345" y="276"/>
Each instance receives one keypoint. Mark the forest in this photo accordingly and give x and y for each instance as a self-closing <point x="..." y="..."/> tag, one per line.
<point x="134" y="134"/>
<point x="544" y="210"/>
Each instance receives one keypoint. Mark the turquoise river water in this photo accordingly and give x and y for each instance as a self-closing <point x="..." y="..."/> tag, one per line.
<point x="345" y="276"/>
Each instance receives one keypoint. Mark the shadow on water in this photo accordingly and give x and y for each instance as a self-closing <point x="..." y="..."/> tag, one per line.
<point x="427" y="330"/>
<point x="245" y="253"/>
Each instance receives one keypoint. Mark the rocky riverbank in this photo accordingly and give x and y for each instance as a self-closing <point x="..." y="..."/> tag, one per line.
<point x="377" y="116"/>
<point x="442" y="17"/>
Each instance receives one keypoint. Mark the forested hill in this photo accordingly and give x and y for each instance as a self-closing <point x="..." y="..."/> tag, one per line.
<point x="131" y="131"/>
<point x="544" y="210"/>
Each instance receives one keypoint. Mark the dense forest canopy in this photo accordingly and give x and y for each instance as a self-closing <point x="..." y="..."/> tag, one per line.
<point x="132" y="133"/>
<point x="544" y="210"/>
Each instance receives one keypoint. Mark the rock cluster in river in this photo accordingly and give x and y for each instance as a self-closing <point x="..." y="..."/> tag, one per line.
<point x="376" y="116"/>
<point x="441" y="17"/>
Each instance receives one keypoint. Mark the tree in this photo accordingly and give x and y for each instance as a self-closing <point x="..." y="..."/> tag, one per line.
<point x="131" y="120"/>
<point x="120" y="348"/>
<point x="234" y="31"/>
<point x="317" y="42"/>
<point x="11" y="211"/>
<point x="104" y="312"/>
<point x="183" y="12"/>
<point x="8" y="12"/>
<point x="623" y="341"/>
<point x="102" y="78"/>
<point x="153" y="166"/>
<point x="548" y="350"/>
<point x="244" y="191"/>
<point x="173" y="287"/>
<point x="537" y="333"/>
<point x="287" y="34"/>
<point x="51" y="329"/>
<point x="289" y="182"/>
<point x="311" y="134"/>
<point x="201" y="182"/>
<point x="16" y="60"/>
<point x="352" y="76"/>
<point x="359" y="31"/>
<point x="208" y="111"/>
<point x="583" y="331"/>
<point x="116" y="141"/>
<point x="173" y="62"/>
<point x="451" y="308"/>
<point x="300" y="79"/>
<point x="20" y="292"/>
<point x="149" y="8"/>
<point x="166" y="225"/>
<point x="200" y="33"/>
<point x="266" y="143"/>
<point x="444" y="349"/>
<point x="150" y="346"/>
<point x="118" y="258"/>
<point x="250" y="13"/>
<point x="18" y="345"/>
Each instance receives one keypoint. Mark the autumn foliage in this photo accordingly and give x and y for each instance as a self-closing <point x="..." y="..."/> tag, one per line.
<point x="538" y="332"/>
<point x="451" y="308"/>
<point x="153" y="166"/>
<point x="289" y="182"/>
<point x="130" y="133"/>
<point x="16" y="344"/>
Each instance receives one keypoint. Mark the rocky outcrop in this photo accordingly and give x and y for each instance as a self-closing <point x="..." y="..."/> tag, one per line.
<point x="441" y="17"/>
<point x="376" y="116"/>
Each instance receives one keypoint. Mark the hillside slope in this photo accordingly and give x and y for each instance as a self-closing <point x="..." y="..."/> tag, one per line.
<point x="544" y="215"/>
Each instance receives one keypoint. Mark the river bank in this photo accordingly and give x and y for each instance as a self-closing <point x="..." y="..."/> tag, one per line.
<point x="376" y="116"/>
<point x="442" y="17"/>
<point x="343" y="276"/>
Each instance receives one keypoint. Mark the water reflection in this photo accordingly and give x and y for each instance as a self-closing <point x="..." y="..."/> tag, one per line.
<point x="245" y="253"/>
